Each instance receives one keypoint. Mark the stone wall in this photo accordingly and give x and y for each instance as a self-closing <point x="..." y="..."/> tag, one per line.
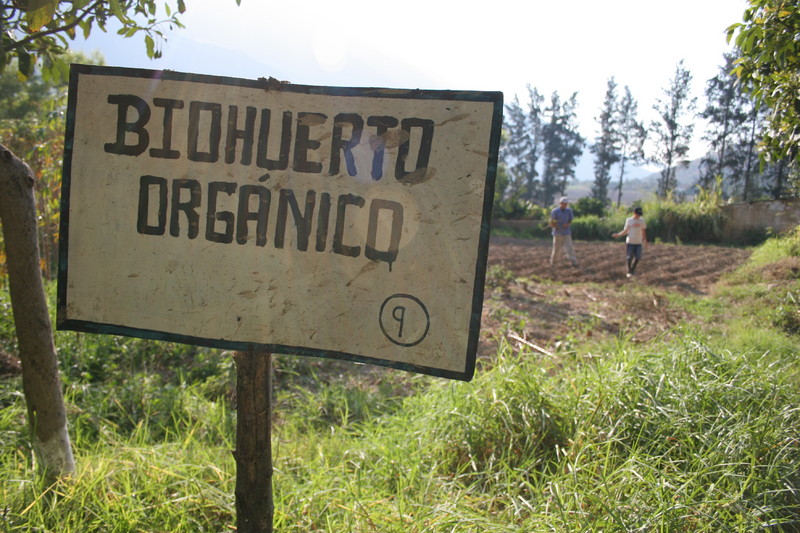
<point x="779" y="216"/>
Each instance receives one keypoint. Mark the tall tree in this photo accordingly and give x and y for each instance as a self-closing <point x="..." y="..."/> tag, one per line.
<point x="572" y="143"/>
<point x="562" y="145"/>
<point x="535" y="122"/>
<point x="36" y="33"/>
<point x="632" y="135"/>
<point x="606" y="145"/>
<point x="673" y="130"/>
<point x="522" y="151"/>
<point x="769" y="63"/>
<point x="747" y="150"/>
<point x="727" y="113"/>
<point x="551" y="144"/>
<point x="516" y="148"/>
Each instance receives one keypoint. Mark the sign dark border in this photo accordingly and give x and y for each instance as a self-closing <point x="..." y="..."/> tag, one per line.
<point x="496" y="98"/>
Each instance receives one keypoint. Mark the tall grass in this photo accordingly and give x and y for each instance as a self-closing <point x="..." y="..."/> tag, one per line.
<point x="685" y="440"/>
<point x="700" y="432"/>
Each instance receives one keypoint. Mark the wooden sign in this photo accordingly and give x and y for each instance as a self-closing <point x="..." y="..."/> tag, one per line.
<point x="232" y="213"/>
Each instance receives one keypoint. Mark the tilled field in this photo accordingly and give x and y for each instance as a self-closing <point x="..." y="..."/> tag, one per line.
<point x="547" y="304"/>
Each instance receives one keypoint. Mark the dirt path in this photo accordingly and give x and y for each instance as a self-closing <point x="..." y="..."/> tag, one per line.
<point x="595" y="297"/>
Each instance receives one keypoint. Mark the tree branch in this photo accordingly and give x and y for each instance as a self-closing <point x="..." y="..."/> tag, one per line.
<point x="40" y="34"/>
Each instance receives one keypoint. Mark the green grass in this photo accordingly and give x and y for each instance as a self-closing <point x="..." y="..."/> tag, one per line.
<point x="695" y="431"/>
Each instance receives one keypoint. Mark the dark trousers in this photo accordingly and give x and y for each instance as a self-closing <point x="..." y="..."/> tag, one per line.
<point x="634" y="255"/>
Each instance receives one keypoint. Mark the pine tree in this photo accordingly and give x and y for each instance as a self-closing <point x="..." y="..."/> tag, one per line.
<point x="672" y="134"/>
<point x="606" y="145"/>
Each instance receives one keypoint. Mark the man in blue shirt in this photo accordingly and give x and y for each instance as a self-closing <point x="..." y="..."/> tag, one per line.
<point x="560" y="220"/>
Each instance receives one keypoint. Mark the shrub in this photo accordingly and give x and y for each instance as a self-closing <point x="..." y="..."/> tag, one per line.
<point x="592" y="228"/>
<point x="510" y="208"/>
<point x="683" y="222"/>
<point x="589" y="206"/>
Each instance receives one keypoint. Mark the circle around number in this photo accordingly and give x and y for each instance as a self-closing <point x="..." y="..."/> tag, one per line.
<point x="421" y="306"/>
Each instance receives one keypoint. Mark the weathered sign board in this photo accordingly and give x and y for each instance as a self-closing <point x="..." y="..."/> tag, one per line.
<point x="240" y="214"/>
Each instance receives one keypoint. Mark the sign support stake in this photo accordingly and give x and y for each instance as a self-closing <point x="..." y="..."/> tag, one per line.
<point x="254" y="501"/>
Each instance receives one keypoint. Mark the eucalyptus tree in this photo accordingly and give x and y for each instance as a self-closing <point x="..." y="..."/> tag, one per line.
<point x="673" y="130"/>
<point x="516" y="146"/>
<point x="562" y="145"/>
<point x="727" y="111"/>
<point x="535" y="121"/>
<point x="632" y="136"/>
<point x="736" y="125"/>
<point x="606" y="145"/>
<point x="572" y="142"/>
<point x="36" y="35"/>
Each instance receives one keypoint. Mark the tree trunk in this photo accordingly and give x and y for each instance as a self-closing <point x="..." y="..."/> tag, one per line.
<point x="41" y="383"/>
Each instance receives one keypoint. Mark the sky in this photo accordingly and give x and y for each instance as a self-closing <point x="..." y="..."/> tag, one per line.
<point x="495" y="45"/>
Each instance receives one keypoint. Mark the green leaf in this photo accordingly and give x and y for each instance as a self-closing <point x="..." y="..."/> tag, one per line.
<point x="24" y="63"/>
<point x="181" y="6"/>
<point x="117" y="10"/>
<point x="731" y="30"/>
<point x="40" y="13"/>
<point x="151" y="46"/>
<point x="86" y="26"/>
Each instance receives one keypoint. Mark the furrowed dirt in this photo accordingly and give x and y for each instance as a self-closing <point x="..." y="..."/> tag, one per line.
<point x="528" y="302"/>
<point x="528" y="299"/>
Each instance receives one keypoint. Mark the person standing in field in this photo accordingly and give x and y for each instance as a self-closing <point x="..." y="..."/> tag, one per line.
<point x="636" y="230"/>
<point x="560" y="220"/>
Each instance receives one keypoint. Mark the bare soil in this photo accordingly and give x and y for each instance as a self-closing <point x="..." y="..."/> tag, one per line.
<point x="595" y="297"/>
<point x="528" y="302"/>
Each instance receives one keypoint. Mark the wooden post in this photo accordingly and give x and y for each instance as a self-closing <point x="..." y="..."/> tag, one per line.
<point x="254" y="504"/>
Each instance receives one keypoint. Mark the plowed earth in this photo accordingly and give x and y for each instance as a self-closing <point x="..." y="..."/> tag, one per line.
<point x="529" y="302"/>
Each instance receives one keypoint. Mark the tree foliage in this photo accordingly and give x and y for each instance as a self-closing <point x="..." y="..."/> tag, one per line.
<point x="730" y="116"/>
<point x="735" y="123"/>
<point x="543" y="147"/>
<point x="38" y="32"/>
<point x="769" y="66"/>
<point x="32" y="126"/>
<point x="34" y="36"/>
<point x="673" y="131"/>
<point x="562" y="145"/>
<point x="632" y="135"/>
<point x="521" y="152"/>
<point x="606" y="145"/>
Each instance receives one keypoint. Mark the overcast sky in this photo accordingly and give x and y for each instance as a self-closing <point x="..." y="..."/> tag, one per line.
<point x="497" y="45"/>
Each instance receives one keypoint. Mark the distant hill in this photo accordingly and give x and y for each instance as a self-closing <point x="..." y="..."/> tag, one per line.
<point x="640" y="182"/>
